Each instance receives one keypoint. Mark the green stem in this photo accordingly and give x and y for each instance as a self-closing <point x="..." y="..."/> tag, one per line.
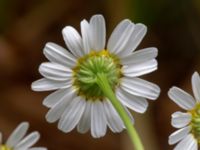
<point x="103" y="83"/>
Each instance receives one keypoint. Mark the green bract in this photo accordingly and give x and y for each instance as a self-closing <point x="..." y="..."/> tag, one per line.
<point x="89" y="66"/>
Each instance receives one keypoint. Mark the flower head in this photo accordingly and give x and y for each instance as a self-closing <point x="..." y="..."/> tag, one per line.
<point x="188" y="122"/>
<point x="79" y="101"/>
<point x="17" y="141"/>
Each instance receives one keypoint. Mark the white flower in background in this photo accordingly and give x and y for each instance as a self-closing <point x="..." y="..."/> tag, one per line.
<point x="188" y="123"/>
<point x="18" y="141"/>
<point x="79" y="101"/>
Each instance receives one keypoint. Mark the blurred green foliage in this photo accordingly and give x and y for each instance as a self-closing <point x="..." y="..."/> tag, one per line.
<point x="3" y="14"/>
<point x="165" y="11"/>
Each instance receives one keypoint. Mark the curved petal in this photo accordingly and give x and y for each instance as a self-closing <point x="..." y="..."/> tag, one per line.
<point x="180" y="119"/>
<point x="113" y="119"/>
<point x="117" y="33"/>
<point x="28" y="141"/>
<point x="196" y="86"/>
<point x="58" y="54"/>
<point x="179" y="135"/>
<point x="135" y="103"/>
<point x="188" y="143"/>
<point x="17" y="134"/>
<point x="135" y="39"/>
<point x="48" y="85"/>
<point x="181" y="98"/>
<point x="52" y="99"/>
<point x="141" y="88"/>
<point x="73" y="41"/>
<point x="98" y="32"/>
<point x="57" y="110"/>
<point x="98" y="119"/>
<point x="140" y="56"/>
<point x="85" y="122"/>
<point x="135" y="70"/>
<point x="129" y="114"/>
<point x="72" y="114"/>
<point x="120" y="36"/>
<point x="54" y="71"/>
<point x="86" y="36"/>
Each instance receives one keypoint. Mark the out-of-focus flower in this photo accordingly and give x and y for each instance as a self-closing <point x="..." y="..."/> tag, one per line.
<point x="188" y="123"/>
<point x="18" y="141"/>
<point x="79" y="101"/>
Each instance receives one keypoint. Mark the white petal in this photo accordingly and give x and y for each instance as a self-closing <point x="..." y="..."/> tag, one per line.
<point x="54" y="71"/>
<point x="196" y="86"/>
<point x="72" y="114"/>
<point x="117" y="33"/>
<point x="86" y="36"/>
<point x="135" y="39"/>
<point x="58" y="54"/>
<point x="113" y="119"/>
<point x="135" y="70"/>
<point x="48" y="85"/>
<point x="57" y="110"/>
<point x="129" y="114"/>
<point x="98" y="119"/>
<point x="179" y="135"/>
<point x="120" y="37"/>
<point x="141" y="88"/>
<point x="38" y="148"/>
<point x="135" y="103"/>
<point x="55" y="97"/>
<point x="85" y="122"/>
<point x="17" y="134"/>
<point x="73" y="41"/>
<point x="98" y="32"/>
<point x="181" y="98"/>
<point x="140" y="56"/>
<point x="28" y="141"/>
<point x="188" y="143"/>
<point x="180" y="119"/>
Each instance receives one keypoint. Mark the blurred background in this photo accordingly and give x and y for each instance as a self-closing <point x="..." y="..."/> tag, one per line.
<point x="25" y="27"/>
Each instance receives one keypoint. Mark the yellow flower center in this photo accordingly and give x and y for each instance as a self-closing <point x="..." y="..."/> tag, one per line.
<point x="4" y="147"/>
<point x="195" y="122"/>
<point x="86" y="69"/>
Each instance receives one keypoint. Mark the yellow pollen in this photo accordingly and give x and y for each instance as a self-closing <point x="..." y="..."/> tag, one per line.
<point x="4" y="147"/>
<point x="104" y="53"/>
<point x="94" y="53"/>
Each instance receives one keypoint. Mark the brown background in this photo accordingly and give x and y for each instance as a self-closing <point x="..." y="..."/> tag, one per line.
<point x="25" y="27"/>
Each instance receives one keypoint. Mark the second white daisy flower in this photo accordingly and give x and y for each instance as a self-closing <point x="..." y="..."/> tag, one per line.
<point x="188" y="123"/>
<point x="18" y="141"/>
<point x="79" y="101"/>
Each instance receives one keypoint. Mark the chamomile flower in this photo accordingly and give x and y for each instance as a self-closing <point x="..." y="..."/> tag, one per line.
<point x="188" y="123"/>
<point x="78" y="100"/>
<point x="18" y="141"/>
